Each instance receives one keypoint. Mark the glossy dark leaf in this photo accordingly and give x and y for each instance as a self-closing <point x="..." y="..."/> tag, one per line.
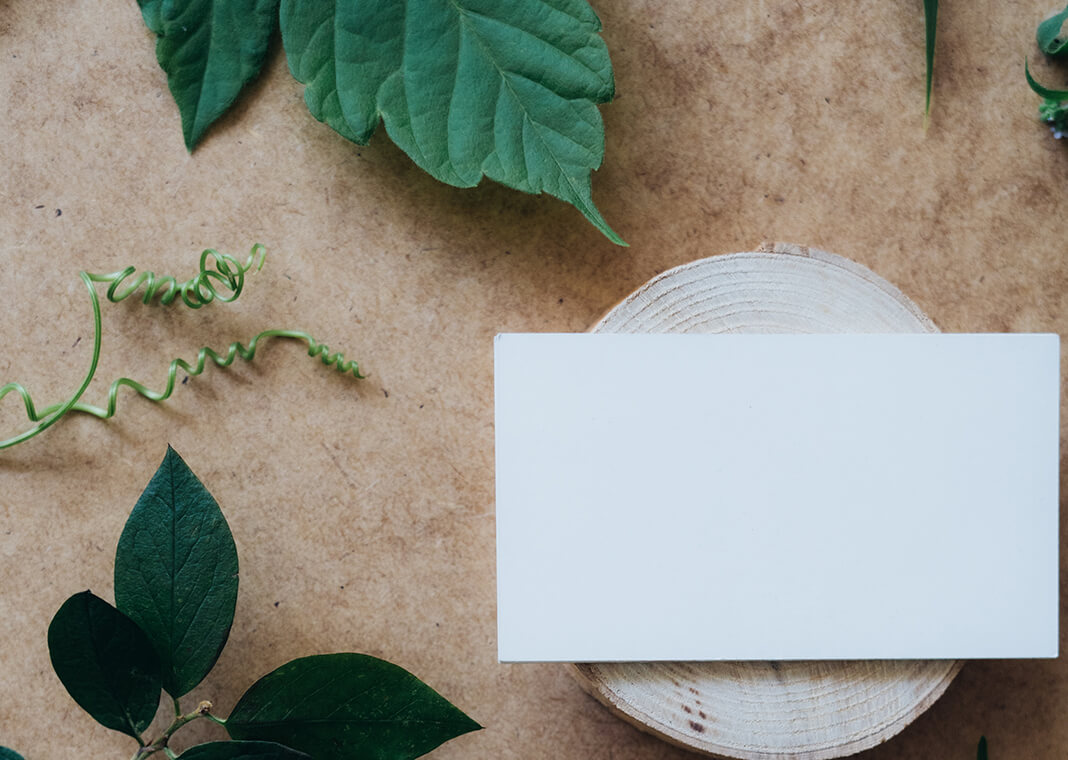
<point x="981" y="752"/>
<point x="210" y="49"/>
<point x="176" y="573"/>
<point x="1049" y="37"/>
<point x="9" y="754"/>
<point x="106" y="662"/>
<point x="347" y="706"/>
<point x="506" y="89"/>
<point x="241" y="751"/>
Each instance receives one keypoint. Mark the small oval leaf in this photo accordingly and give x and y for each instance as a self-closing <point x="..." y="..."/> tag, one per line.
<point x="176" y="573"/>
<point x="9" y="754"/>
<point x="347" y="706"/>
<point x="106" y="663"/>
<point x="241" y="751"/>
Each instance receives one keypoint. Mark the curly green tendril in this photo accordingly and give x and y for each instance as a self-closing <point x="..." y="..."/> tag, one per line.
<point x="221" y="277"/>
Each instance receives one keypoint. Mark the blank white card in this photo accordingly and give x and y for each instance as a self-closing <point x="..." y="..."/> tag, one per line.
<point x="774" y="497"/>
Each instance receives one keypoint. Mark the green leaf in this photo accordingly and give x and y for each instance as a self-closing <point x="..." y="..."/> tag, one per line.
<point x="241" y="751"/>
<point x="152" y="13"/>
<point x="347" y="706"/>
<point x="930" y="17"/>
<point x="210" y="50"/>
<point x="981" y="753"/>
<point x="1043" y="91"/>
<point x="9" y="754"/>
<point x="467" y="88"/>
<point x="1048" y="35"/>
<point x="106" y="663"/>
<point x="176" y="573"/>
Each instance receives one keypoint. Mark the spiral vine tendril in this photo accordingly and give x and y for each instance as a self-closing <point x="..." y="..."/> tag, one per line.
<point x="220" y="277"/>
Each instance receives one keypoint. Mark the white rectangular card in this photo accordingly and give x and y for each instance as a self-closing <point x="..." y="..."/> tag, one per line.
<point x="774" y="497"/>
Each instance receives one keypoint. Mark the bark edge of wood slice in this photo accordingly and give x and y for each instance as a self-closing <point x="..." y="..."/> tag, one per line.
<point x="769" y="710"/>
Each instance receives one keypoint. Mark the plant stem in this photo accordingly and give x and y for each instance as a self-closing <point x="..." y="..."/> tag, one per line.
<point x="160" y="744"/>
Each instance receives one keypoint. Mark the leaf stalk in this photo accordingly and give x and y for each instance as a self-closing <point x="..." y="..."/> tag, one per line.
<point x="160" y="744"/>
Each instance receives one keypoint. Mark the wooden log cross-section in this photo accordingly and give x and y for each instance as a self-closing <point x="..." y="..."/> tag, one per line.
<point x="769" y="710"/>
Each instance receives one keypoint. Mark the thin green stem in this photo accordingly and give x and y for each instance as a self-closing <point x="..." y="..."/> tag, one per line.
<point x="160" y="743"/>
<point x="53" y="414"/>
<point x="224" y="282"/>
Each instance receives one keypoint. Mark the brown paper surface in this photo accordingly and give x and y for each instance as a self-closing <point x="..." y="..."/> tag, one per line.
<point x="363" y="510"/>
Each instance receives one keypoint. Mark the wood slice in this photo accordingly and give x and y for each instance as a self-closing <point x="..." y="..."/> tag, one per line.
<point x="769" y="710"/>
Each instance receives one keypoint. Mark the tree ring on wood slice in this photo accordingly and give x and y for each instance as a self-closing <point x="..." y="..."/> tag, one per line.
<point x="769" y="710"/>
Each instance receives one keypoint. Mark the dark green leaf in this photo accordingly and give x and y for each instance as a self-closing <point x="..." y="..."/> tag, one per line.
<point x="241" y="751"/>
<point x="930" y="17"/>
<point x="467" y="88"/>
<point x="152" y="13"/>
<point x="1044" y="91"/>
<point x="9" y="754"/>
<point x="210" y="50"/>
<point x="176" y="573"/>
<point x="981" y="754"/>
<point x="347" y="706"/>
<point x="1049" y="36"/>
<point x="106" y="662"/>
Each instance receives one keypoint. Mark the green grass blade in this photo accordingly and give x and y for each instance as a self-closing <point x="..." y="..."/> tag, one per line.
<point x="930" y="13"/>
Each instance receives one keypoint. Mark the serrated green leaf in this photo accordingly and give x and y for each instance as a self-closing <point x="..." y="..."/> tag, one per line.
<point x="506" y="89"/>
<point x="106" y="663"/>
<point x="241" y="751"/>
<point x="210" y="50"/>
<point x="9" y="754"/>
<point x="176" y="573"/>
<point x="347" y="706"/>
<point x="1048" y="35"/>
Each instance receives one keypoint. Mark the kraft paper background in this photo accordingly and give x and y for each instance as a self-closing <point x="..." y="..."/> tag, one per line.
<point x="363" y="510"/>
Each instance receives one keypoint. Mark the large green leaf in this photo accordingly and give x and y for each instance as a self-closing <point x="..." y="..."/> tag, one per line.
<point x="176" y="573"/>
<point x="9" y="754"/>
<point x="505" y="89"/>
<point x="210" y="50"/>
<point x="1048" y="35"/>
<point x="106" y="662"/>
<point x="241" y="751"/>
<point x="347" y="706"/>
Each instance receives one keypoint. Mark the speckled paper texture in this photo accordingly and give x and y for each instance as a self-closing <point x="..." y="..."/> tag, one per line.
<point x="363" y="510"/>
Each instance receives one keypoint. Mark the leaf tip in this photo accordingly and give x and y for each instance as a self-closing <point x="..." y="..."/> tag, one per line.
<point x="191" y="141"/>
<point x="612" y="235"/>
<point x="171" y="456"/>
